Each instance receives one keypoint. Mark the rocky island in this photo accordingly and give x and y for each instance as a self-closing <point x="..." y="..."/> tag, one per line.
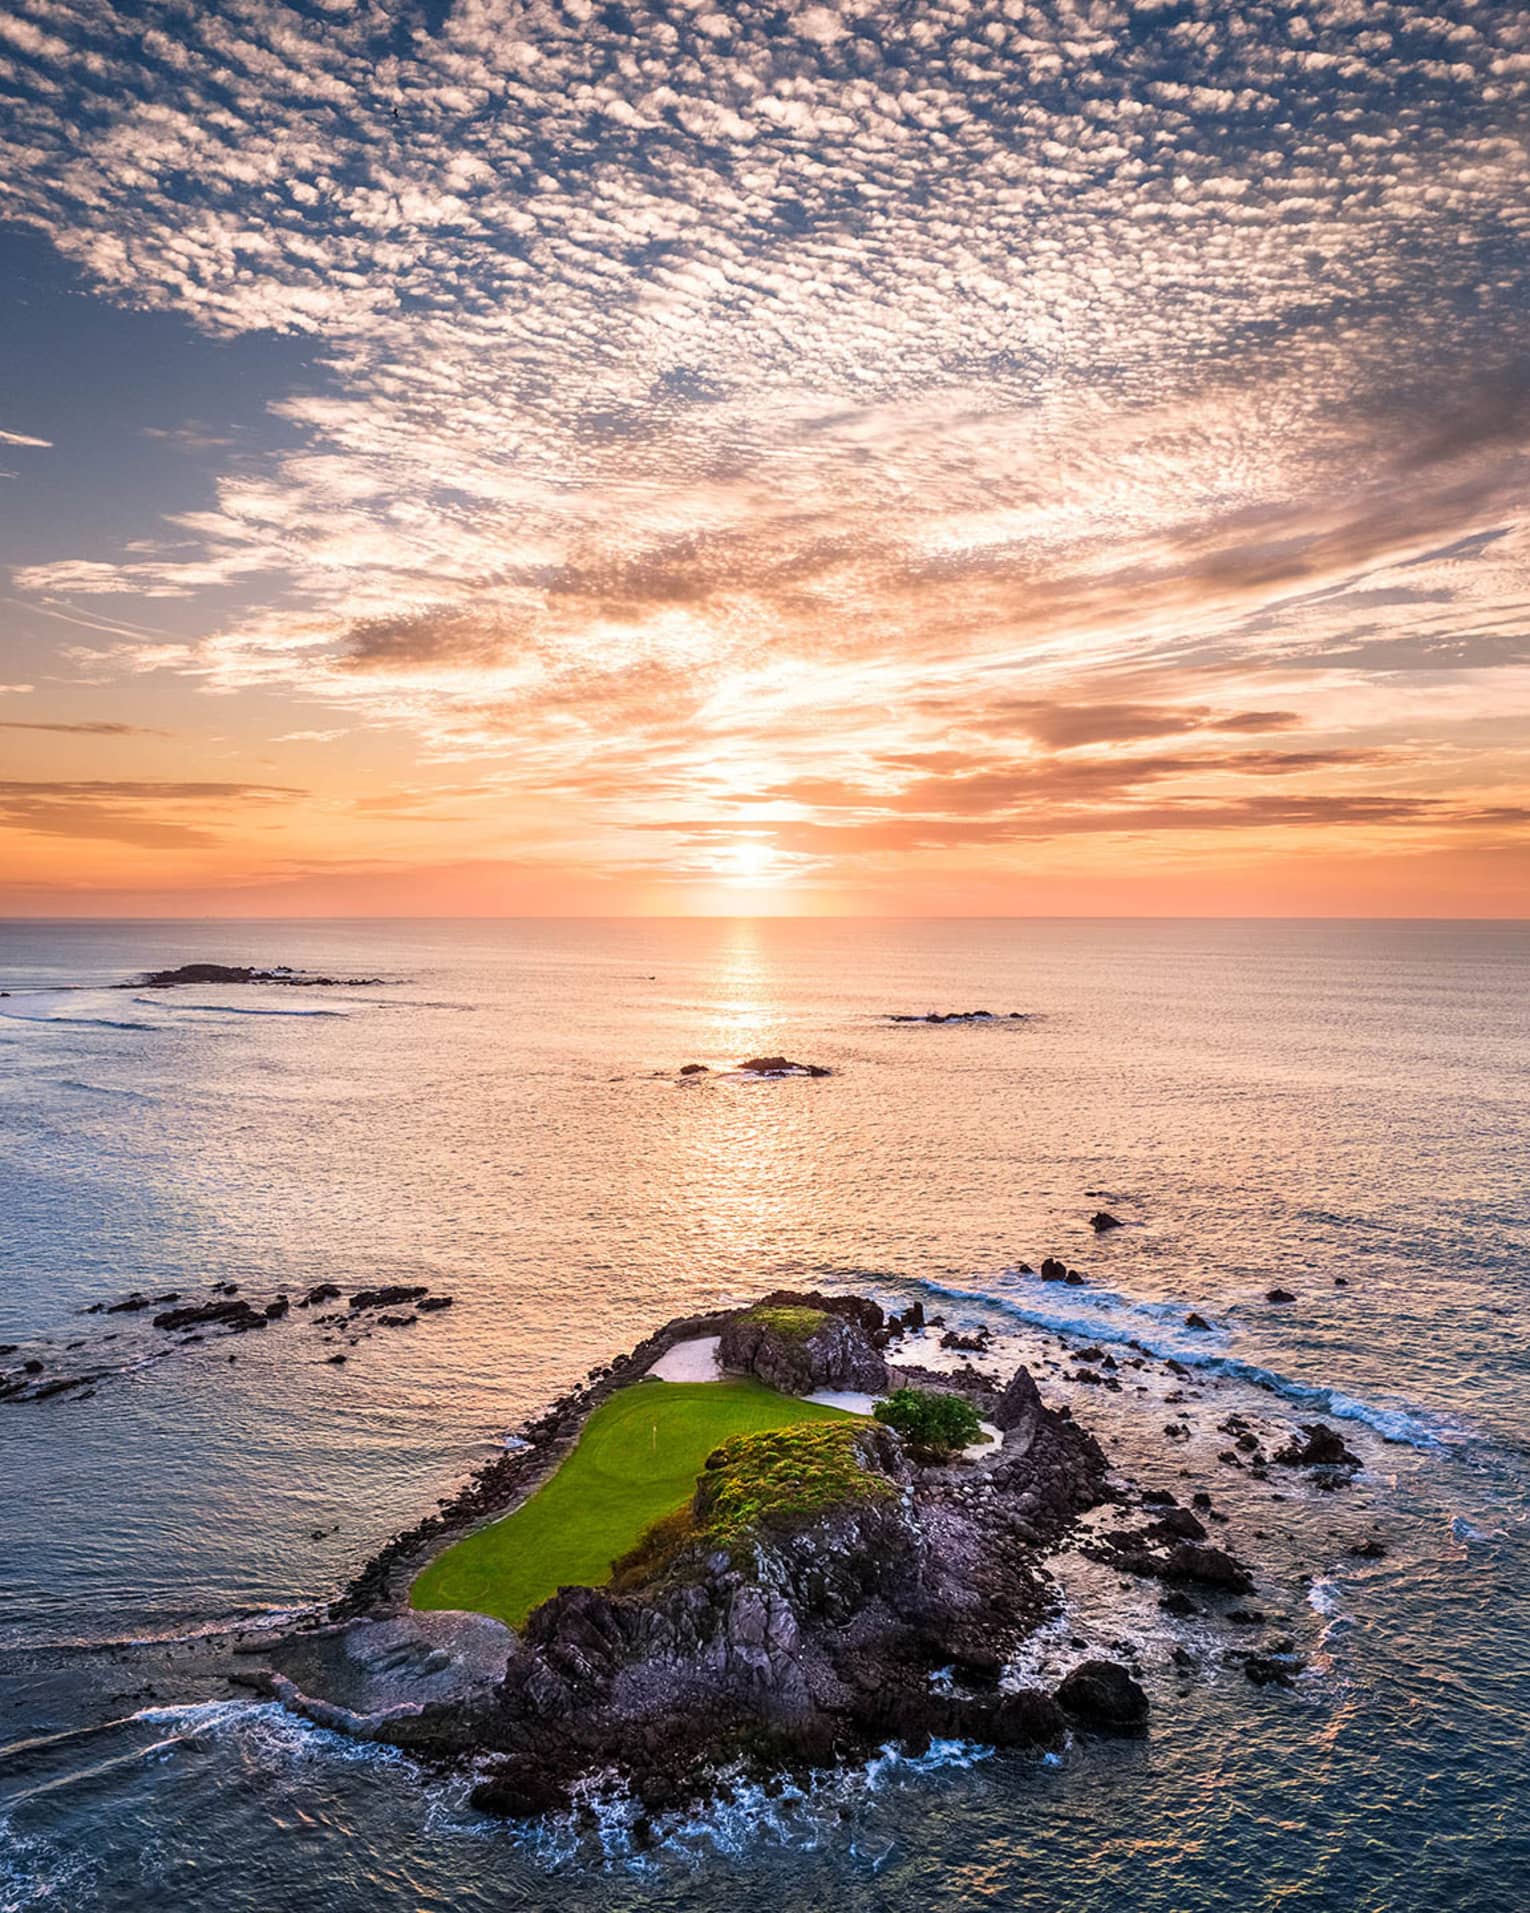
<point x="827" y="1580"/>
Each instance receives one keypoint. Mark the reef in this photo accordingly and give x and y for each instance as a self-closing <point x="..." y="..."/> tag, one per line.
<point x="186" y="974"/>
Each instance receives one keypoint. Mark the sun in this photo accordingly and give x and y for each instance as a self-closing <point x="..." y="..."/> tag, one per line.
<point x="750" y="860"/>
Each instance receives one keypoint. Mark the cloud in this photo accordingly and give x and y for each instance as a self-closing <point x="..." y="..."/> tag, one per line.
<point x="20" y="438"/>
<point x="717" y="408"/>
<point x="128" y="811"/>
<point x="99" y="728"/>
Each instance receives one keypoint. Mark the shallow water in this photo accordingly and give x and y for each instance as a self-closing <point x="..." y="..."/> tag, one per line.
<point x="1261" y="1103"/>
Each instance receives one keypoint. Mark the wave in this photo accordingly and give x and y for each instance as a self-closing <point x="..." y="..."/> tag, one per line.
<point x="102" y="1089"/>
<point x="1401" y="1426"/>
<point x="231" y="1009"/>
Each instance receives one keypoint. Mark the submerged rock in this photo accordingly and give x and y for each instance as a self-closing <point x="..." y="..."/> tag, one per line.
<point x="235" y="1314"/>
<point x="1102" y="1221"/>
<point x="1103" y="1696"/>
<point x="781" y="1066"/>
<point x="394" y="1295"/>
<point x="1317" y="1446"/>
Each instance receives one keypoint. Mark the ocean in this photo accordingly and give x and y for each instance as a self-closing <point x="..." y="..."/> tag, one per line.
<point x="1338" y="1109"/>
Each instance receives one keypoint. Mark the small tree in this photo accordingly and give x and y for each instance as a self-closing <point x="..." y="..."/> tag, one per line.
<point x="937" y="1424"/>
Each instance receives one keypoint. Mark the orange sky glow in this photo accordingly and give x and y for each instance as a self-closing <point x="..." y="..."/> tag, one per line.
<point x="978" y="460"/>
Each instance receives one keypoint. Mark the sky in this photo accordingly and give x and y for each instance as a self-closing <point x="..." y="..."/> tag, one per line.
<point x="535" y="456"/>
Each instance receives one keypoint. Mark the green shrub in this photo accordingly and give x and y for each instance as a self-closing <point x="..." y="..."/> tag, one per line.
<point x="938" y="1424"/>
<point x="790" y="1323"/>
<point x="780" y="1479"/>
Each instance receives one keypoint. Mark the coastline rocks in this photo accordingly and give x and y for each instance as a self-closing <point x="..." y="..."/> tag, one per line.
<point x="1052" y="1270"/>
<point x="1104" y="1697"/>
<point x="1317" y="1446"/>
<point x="236" y="1315"/>
<point x="799" y="1346"/>
<point x="781" y="1066"/>
<point x="218" y="973"/>
<point x="1102" y="1221"/>
<point x="958" y="1016"/>
<point x="321" y="1292"/>
<point x="395" y="1295"/>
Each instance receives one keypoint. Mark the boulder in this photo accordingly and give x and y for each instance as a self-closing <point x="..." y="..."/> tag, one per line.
<point x="1102" y="1221"/>
<point x="1020" y="1405"/>
<point x="1052" y="1270"/>
<point x="1279" y="1295"/>
<point x="1196" y="1321"/>
<point x="1104" y="1697"/>
<point x="1317" y="1446"/>
<point x="781" y="1066"/>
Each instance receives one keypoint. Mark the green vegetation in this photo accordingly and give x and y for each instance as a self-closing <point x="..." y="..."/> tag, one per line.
<point x="779" y="1479"/>
<point x="938" y="1424"/>
<point x="793" y="1324"/>
<point x="637" y="1459"/>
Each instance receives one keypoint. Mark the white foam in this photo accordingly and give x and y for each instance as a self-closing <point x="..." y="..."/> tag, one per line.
<point x="1397" y="1425"/>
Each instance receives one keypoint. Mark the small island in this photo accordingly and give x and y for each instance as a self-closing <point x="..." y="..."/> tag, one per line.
<point x="758" y="1542"/>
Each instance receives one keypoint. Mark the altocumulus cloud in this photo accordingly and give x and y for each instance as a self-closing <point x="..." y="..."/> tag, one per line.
<point x="713" y="392"/>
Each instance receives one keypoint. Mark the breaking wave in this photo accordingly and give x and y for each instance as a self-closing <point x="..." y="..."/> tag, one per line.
<point x="1405" y="1427"/>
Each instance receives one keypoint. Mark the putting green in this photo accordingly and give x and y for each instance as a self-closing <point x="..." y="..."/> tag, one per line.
<point x="637" y="1459"/>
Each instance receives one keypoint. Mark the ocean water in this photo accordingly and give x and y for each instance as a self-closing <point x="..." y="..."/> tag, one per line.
<point x="1261" y="1103"/>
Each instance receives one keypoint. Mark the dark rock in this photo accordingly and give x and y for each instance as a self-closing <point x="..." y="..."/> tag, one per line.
<point x="274" y="1311"/>
<point x="1052" y="1270"/>
<point x="334" y="1361"/>
<point x="1073" y="1279"/>
<point x="1264" y="1670"/>
<point x="1279" y="1295"/>
<point x="1178" y="1603"/>
<point x="432" y="1303"/>
<point x="974" y="1344"/>
<point x="694" y="1069"/>
<point x="129" y="1305"/>
<point x="781" y="1066"/>
<point x="1368" y="1550"/>
<point x="1196" y="1321"/>
<point x="1103" y="1696"/>
<point x="397" y="1321"/>
<point x="1020" y="1405"/>
<point x="394" y="1295"/>
<point x="1180" y="1525"/>
<point x="192" y="973"/>
<point x="1102" y="1220"/>
<point x="323" y="1292"/>
<point x="1319" y="1447"/>
<point x="838" y="1352"/>
<point x="236" y="1315"/>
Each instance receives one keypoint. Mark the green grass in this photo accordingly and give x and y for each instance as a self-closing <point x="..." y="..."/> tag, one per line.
<point x="795" y="1324"/>
<point x="636" y="1461"/>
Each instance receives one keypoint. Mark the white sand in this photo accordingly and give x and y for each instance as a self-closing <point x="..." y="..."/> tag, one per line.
<point x="694" y="1361"/>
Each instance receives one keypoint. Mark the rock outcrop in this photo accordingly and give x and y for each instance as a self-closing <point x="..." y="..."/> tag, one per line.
<point x="1317" y="1446"/>
<point x="801" y="1343"/>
